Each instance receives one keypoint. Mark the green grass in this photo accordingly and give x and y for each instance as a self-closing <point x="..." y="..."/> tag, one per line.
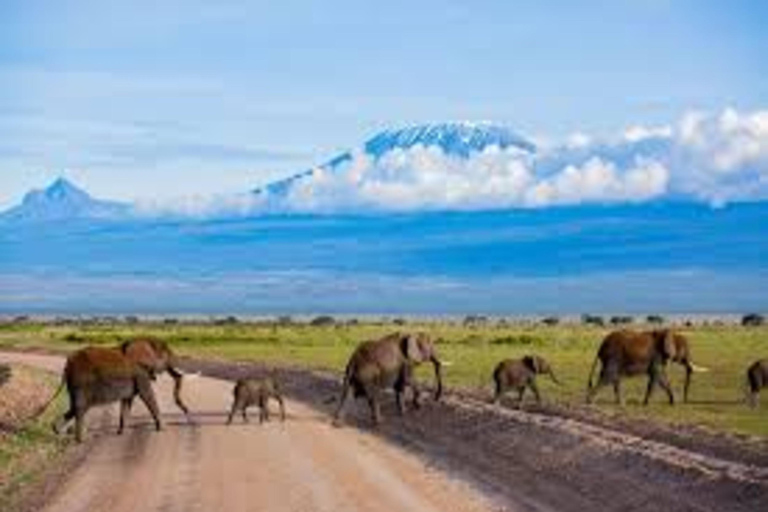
<point x="27" y="452"/>
<point x="716" y="397"/>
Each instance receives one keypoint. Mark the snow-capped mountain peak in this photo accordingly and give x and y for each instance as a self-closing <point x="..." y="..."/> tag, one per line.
<point x="63" y="200"/>
<point x="456" y="138"/>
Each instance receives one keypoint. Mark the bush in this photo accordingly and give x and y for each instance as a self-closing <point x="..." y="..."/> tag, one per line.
<point x="621" y="320"/>
<point x="322" y="320"/>
<point x="752" y="320"/>
<point x="550" y="320"/>
<point x="473" y="320"/>
<point x="587" y="319"/>
<point x="520" y="339"/>
<point x="654" y="319"/>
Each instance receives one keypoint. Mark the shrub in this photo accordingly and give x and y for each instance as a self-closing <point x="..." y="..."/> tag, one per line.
<point x="587" y="319"/>
<point x="550" y="320"/>
<point x="654" y="319"/>
<point x="322" y="320"/>
<point x="621" y="320"/>
<point x="752" y="320"/>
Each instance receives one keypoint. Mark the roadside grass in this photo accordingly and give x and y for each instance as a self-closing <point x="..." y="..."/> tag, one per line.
<point x="716" y="399"/>
<point x="27" y="449"/>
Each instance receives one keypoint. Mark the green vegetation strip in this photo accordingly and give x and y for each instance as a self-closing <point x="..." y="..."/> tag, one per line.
<point x="716" y="397"/>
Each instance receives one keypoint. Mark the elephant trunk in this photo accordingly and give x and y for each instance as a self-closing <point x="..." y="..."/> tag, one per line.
<point x="438" y="377"/>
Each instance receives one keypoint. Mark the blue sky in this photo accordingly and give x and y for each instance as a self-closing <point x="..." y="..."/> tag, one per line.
<point x="138" y="100"/>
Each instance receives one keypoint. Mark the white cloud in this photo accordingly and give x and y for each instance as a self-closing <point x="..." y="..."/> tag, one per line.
<point x="713" y="158"/>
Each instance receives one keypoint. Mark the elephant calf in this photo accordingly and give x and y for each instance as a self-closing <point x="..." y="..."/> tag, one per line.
<point x="757" y="378"/>
<point x="519" y="374"/>
<point x="250" y="392"/>
<point x="97" y="376"/>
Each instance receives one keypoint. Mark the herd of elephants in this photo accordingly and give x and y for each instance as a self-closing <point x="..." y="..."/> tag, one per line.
<point x="99" y="375"/>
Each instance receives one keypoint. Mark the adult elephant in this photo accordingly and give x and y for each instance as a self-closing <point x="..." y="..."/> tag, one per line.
<point x="626" y="353"/>
<point x="388" y="362"/>
<point x="757" y="379"/>
<point x="156" y="357"/>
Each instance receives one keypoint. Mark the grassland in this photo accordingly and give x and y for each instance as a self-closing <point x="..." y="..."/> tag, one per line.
<point x="716" y="397"/>
<point x="27" y="448"/>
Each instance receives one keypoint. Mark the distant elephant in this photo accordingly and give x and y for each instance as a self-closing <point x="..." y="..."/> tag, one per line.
<point x="5" y="373"/>
<point x="96" y="376"/>
<point x="388" y="362"/>
<point x="757" y="378"/>
<point x="627" y="353"/>
<point x="250" y="392"/>
<point x="156" y="357"/>
<point x="519" y="374"/>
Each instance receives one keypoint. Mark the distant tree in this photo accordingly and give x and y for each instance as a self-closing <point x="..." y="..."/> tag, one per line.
<point x="621" y="320"/>
<point x="654" y="319"/>
<point x="752" y="320"/>
<point x="588" y="319"/>
<point x="21" y="319"/>
<point x="131" y="320"/>
<point x="322" y="320"/>
<point x="399" y="321"/>
<point x="475" y="320"/>
<point x="550" y="320"/>
<point x="170" y="321"/>
<point x="284" y="320"/>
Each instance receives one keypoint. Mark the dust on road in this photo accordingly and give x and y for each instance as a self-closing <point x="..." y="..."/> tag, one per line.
<point x="304" y="464"/>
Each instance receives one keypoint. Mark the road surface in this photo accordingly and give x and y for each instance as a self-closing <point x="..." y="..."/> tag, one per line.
<point x="304" y="464"/>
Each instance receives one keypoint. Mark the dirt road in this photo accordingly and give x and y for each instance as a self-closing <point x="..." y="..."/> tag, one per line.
<point x="304" y="464"/>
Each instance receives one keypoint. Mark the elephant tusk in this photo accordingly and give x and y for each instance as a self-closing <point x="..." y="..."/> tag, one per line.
<point x="190" y="376"/>
<point x="446" y="363"/>
<point x="699" y="369"/>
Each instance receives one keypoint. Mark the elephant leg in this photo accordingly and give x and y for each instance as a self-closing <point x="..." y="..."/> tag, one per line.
<point x="371" y="394"/>
<point x="244" y="413"/>
<point x="652" y="377"/>
<point x="80" y="411"/>
<point x="617" y="392"/>
<point x="687" y="384"/>
<point x="147" y="396"/>
<point x="59" y="424"/>
<point x="232" y="412"/>
<point x="282" y="406"/>
<point x="125" y="410"/>
<point x="752" y="399"/>
<point x="664" y="383"/>
<point x="400" y="386"/>
<point x="498" y="392"/>
<point x="342" y="402"/>
<point x="520" y="393"/>
<point x="535" y="389"/>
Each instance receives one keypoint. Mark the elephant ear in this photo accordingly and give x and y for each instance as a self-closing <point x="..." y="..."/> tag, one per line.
<point x="668" y="346"/>
<point x="411" y="348"/>
<point x="531" y="363"/>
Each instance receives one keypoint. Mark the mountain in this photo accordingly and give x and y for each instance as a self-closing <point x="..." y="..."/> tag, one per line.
<point x="63" y="200"/>
<point x="457" y="139"/>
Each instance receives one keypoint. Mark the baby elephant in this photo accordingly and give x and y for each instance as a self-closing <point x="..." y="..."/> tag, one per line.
<point x="520" y="374"/>
<point x="757" y="378"/>
<point x="250" y="392"/>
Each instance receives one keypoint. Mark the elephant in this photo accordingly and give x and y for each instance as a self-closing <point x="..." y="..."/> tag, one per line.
<point x="757" y="378"/>
<point x="5" y="373"/>
<point x="388" y="362"/>
<point x="97" y="376"/>
<point x="249" y="392"/>
<point x="626" y="353"/>
<point x="519" y="374"/>
<point x="156" y="357"/>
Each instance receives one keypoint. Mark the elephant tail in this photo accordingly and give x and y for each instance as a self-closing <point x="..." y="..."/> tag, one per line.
<point x="592" y="372"/>
<point x="47" y="404"/>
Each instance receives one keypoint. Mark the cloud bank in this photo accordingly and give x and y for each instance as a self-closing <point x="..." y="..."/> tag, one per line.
<point x="714" y="158"/>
